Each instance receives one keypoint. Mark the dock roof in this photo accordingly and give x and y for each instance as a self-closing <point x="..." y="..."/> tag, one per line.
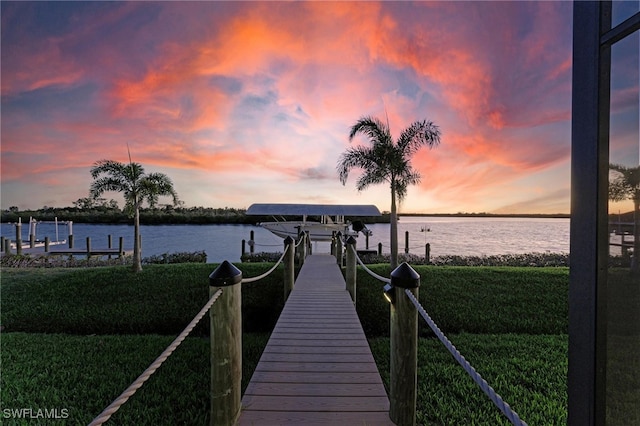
<point x="268" y="209"/>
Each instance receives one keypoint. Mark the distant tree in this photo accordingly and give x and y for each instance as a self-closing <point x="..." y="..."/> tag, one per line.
<point x="625" y="185"/>
<point x="137" y="187"/>
<point x="387" y="161"/>
<point x="14" y="209"/>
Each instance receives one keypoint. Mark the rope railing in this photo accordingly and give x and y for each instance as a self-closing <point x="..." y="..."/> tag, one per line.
<point x="259" y="277"/>
<point x="137" y="384"/>
<point x="482" y="383"/>
<point x="369" y="271"/>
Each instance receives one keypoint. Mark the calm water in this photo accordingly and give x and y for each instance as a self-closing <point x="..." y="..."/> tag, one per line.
<point x="457" y="235"/>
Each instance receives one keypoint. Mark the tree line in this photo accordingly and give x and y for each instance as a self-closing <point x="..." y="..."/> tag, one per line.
<point x="108" y="212"/>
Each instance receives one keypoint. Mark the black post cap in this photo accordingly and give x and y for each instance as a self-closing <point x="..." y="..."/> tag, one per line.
<point x="288" y="240"/>
<point x="225" y="275"/>
<point x="404" y="276"/>
<point x="351" y="240"/>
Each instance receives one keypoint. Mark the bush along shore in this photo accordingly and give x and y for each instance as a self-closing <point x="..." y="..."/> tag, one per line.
<point x="101" y="327"/>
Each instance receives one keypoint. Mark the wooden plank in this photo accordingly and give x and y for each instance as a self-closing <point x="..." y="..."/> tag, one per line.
<point x="318" y="343"/>
<point x="261" y="418"/>
<point x="294" y="350"/>
<point x="317" y="357"/>
<point x="312" y="389"/>
<point x="315" y="377"/>
<point x="316" y="403"/>
<point x="317" y="367"/>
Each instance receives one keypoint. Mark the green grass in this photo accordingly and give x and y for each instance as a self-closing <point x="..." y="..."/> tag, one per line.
<point x="528" y="372"/>
<point x="162" y="299"/>
<point x="84" y="374"/>
<point x="482" y="300"/>
<point x="76" y="338"/>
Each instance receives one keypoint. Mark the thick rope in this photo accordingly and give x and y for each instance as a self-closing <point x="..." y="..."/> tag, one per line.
<point x="137" y="384"/>
<point x="369" y="271"/>
<point x="482" y="383"/>
<point x="300" y="241"/>
<point x="259" y="277"/>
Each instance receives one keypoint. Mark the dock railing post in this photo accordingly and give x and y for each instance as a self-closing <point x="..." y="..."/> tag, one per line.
<point x="289" y="266"/>
<point x="109" y="244"/>
<point x="1" y="243"/>
<point x="120" y="247"/>
<point x="339" y="248"/>
<point x="47" y="242"/>
<point x="333" y="243"/>
<point x="226" y="345"/>
<point x="7" y="246"/>
<point x="379" y="249"/>
<point x="427" y="253"/>
<point x="308" y="242"/>
<point x="19" y="238"/>
<point x="301" y="247"/>
<point x="88" y="248"/>
<point x="404" y="347"/>
<point x="350" y="272"/>
<point x="252" y="242"/>
<point x="406" y="241"/>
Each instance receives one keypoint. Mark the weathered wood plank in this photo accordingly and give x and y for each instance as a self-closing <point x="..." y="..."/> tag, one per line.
<point x="317" y="357"/>
<point x="315" y="377"/>
<point x="316" y="403"/>
<point x="312" y="389"/>
<point x="262" y="418"/>
<point x="320" y="367"/>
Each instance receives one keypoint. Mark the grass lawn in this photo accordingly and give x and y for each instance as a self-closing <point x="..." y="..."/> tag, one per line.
<point x="76" y="338"/>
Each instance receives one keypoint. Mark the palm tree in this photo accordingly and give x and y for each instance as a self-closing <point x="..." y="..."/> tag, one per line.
<point x="387" y="161"/>
<point x="131" y="180"/>
<point x="626" y="186"/>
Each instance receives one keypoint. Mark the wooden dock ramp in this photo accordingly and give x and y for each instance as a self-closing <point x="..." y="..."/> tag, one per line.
<point x="317" y="367"/>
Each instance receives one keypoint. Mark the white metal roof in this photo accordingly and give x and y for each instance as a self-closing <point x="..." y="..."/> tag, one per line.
<point x="268" y="209"/>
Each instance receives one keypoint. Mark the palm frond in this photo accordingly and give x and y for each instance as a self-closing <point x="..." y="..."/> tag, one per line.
<point x="108" y="183"/>
<point x="107" y="167"/>
<point x="373" y="128"/>
<point x="417" y="135"/>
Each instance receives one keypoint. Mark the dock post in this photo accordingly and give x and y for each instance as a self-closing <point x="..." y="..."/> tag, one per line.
<point x="289" y="266"/>
<point x="109" y="244"/>
<point x="1" y="243"/>
<point x="366" y="239"/>
<point x="70" y="233"/>
<point x="32" y="233"/>
<point x="379" y="249"/>
<point x="47" y="242"/>
<point x="19" y="237"/>
<point x="120" y="247"/>
<point x="252" y="242"/>
<point x="302" y="248"/>
<point x="333" y="243"/>
<point x="7" y="246"/>
<point x="403" y="386"/>
<point x="350" y="273"/>
<point x="427" y="253"/>
<point x="309" y="245"/>
<point x="244" y="247"/>
<point x="88" y="248"/>
<point x="226" y="345"/>
<point x="406" y="242"/>
<point x="339" y="248"/>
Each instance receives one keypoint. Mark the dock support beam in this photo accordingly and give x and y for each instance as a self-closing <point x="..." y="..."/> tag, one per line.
<point x="226" y="345"/>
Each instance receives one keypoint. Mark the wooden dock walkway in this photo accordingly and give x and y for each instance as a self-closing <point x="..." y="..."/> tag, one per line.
<point x="317" y="367"/>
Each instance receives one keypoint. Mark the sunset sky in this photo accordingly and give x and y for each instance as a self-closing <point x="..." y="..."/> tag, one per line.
<point x="246" y="102"/>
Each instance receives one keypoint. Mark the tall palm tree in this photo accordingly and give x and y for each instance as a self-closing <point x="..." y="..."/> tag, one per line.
<point x="625" y="185"/>
<point x="387" y="161"/>
<point x="137" y="187"/>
